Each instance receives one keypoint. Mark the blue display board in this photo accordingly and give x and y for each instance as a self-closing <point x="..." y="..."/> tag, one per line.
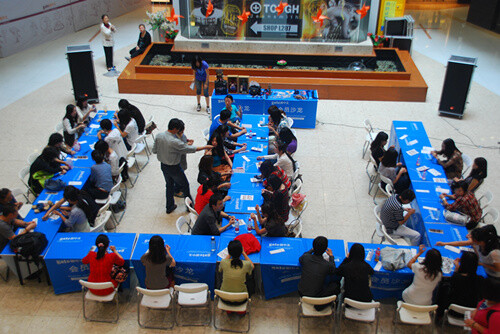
<point x="64" y="257"/>
<point x="249" y="104"/>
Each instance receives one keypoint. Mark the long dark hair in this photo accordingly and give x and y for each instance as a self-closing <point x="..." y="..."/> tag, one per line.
<point x="123" y="104"/>
<point x="103" y="240"/>
<point x="208" y="185"/>
<point x="55" y="139"/>
<point x="468" y="264"/>
<point x="357" y="253"/>
<point x="269" y="210"/>
<point x="235" y="249"/>
<point x="50" y="153"/>
<point x="481" y="172"/>
<point x="69" y="111"/>
<point x="157" y="253"/>
<point x="206" y="163"/>
<point x="488" y="235"/>
<point x="124" y="118"/>
<point x="196" y="59"/>
<point x="286" y="135"/>
<point x="80" y="100"/>
<point x="282" y="148"/>
<point x="74" y="195"/>
<point x="432" y="264"/>
<point x="219" y="148"/>
<point x="275" y="114"/>
<point x="266" y="168"/>
<point x="390" y="158"/>
<point x="449" y="148"/>
<point x="377" y="142"/>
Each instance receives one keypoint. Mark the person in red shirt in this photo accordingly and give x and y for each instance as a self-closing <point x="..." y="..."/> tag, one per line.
<point x="267" y="168"/>
<point x="465" y="202"/>
<point x="486" y="318"/>
<point x="205" y="191"/>
<point x="101" y="263"/>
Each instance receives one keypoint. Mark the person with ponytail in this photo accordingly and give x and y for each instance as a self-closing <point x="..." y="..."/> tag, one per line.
<point x="477" y="174"/>
<point x="284" y="159"/>
<point x="234" y="270"/>
<point x="101" y="263"/>
<point x="205" y="191"/>
<point x="156" y="261"/>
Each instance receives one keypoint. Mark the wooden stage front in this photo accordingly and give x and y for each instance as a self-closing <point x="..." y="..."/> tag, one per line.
<point x="336" y="85"/>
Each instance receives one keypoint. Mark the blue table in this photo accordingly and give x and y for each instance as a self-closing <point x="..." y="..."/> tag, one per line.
<point x="240" y="204"/>
<point x="64" y="258"/>
<point x="230" y="232"/>
<point x="303" y="112"/>
<point x="249" y="104"/>
<point x="242" y="182"/>
<point x="76" y="177"/>
<point x="445" y="232"/>
<point x="281" y="271"/>
<point x="240" y="165"/>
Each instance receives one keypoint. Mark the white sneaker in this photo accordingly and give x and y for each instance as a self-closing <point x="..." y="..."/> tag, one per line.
<point x="208" y="110"/>
<point x="198" y="108"/>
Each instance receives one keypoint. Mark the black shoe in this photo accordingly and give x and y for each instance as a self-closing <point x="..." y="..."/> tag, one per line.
<point x="172" y="210"/>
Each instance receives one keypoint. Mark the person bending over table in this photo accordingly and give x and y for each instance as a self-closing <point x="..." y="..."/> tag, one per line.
<point x="83" y="109"/>
<point x="464" y="287"/>
<point x="9" y="221"/>
<point x="142" y="43"/>
<point x="135" y="113"/>
<point x="315" y="270"/>
<point x="427" y="277"/>
<point x="72" y="128"/>
<point x="205" y="191"/>
<point x="486" y="318"/>
<point x="113" y="137"/>
<point x="100" y="180"/>
<point x="267" y="168"/>
<point x="284" y="159"/>
<point x="277" y="120"/>
<point x="377" y="146"/>
<point x="110" y="157"/>
<point x="157" y="260"/>
<point x="276" y="194"/>
<point x="393" y="216"/>
<point x="221" y="161"/>
<point x="101" y="263"/>
<point x="224" y="119"/>
<point x="127" y="127"/>
<point x="211" y="216"/>
<point x="453" y="163"/>
<point x="6" y="198"/>
<point x="272" y="226"/>
<point x="236" y="113"/>
<point x="465" y="202"/>
<point x="234" y="271"/>
<point x="230" y="146"/>
<point x="394" y="170"/>
<point x="286" y="136"/>
<point x="57" y="140"/>
<point x="206" y="172"/>
<point x="79" y="215"/>
<point x="356" y="273"/>
<point x="44" y="165"/>
<point x="477" y="174"/>
<point x="485" y="242"/>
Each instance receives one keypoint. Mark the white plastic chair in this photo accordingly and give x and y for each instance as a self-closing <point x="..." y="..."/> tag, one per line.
<point x="113" y="198"/>
<point x="297" y="228"/>
<point x="140" y="146"/>
<point x="387" y="191"/>
<point x="100" y="222"/>
<point x="183" y="226"/>
<point x="156" y="300"/>
<point x="493" y="214"/>
<point x="296" y="187"/>
<point x="131" y="163"/>
<point x="192" y="296"/>
<point x="416" y="315"/>
<point x="307" y="310"/>
<point x="289" y="121"/>
<point x="189" y="205"/>
<point x="24" y="176"/>
<point x="370" y="136"/>
<point x="454" y="321"/>
<point x="380" y="230"/>
<point x="32" y="157"/>
<point x="220" y="304"/>
<point x="372" y="172"/>
<point x="87" y="295"/>
<point x="485" y="199"/>
<point x="120" y="170"/>
<point x="59" y="127"/>
<point x="467" y="164"/>
<point x="206" y="133"/>
<point x="361" y="311"/>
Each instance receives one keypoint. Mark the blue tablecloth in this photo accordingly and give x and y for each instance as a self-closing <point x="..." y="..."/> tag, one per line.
<point x="76" y="177"/>
<point x="249" y="104"/>
<point x="240" y="204"/>
<point x="64" y="258"/>
<point x="226" y="238"/>
<point x="303" y="112"/>
<point x="241" y="182"/>
<point x="230" y="232"/>
<point x="281" y="271"/>
<point x="240" y="165"/>
<point x="445" y="232"/>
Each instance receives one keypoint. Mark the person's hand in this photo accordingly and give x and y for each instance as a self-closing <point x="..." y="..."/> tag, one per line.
<point x="329" y="252"/>
<point x="442" y="196"/>
<point x="227" y="198"/>
<point x="399" y="164"/>
<point x="190" y="142"/>
<point x="231" y="217"/>
<point x="209" y="147"/>
<point x="439" y="243"/>
<point x="259" y="158"/>
<point x="167" y="247"/>
<point x="252" y="215"/>
<point x="112" y="248"/>
<point x="456" y="262"/>
<point x="244" y="145"/>
<point x="137" y="48"/>
<point x="402" y="170"/>
<point x="45" y="216"/>
<point x="115" y="122"/>
<point x="434" y="153"/>
<point x="72" y="152"/>
<point x="63" y="171"/>
<point x="421" y="248"/>
<point x="469" y="322"/>
<point x="410" y="211"/>
<point x="18" y="205"/>
<point x="232" y="220"/>
<point x="257" y="208"/>
<point x="30" y="226"/>
<point x="392" y="146"/>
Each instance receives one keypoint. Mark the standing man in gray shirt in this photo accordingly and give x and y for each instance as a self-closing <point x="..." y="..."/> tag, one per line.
<point x="169" y="149"/>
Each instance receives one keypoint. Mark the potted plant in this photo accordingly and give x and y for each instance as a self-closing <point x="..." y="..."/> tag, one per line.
<point x="378" y="41"/>
<point x="157" y="21"/>
<point x="170" y="34"/>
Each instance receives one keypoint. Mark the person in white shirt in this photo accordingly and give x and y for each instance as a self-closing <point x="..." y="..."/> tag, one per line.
<point x="127" y="127"/>
<point x="113" y="138"/>
<point x="426" y="279"/>
<point x="110" y="157"/>
<point x="71" y="125"/>
<point x="285" y="160"/>
<point x="83" y="108"/>
<point x="107" y="31"/>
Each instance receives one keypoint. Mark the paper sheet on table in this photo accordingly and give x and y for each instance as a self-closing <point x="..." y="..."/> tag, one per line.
<point x="82" y="142"/>
<point x="452" y="248"/>
<point x="245" y="158"/>
<point x="426" y="150"/>
<point x="422" y="168"/>
<point x="248" y="126"/>
<point x="434" y="172"/>
<point x="422" y="191"/>
<point x="378" y="266"/>
<point x="246" y="197"/>
<point x="276" y="251"/>
<point x="429" y="208"/>
<point x="257" y="149"/>
<point x="74" y="183"/>
<point x="239" y="170"/>
<point x="413" y="142"/>
<point x="439" y="180"/>
<point x="251" y="208"/>
<point x="403" y="137"/>
<point x="412" y="152"/>
<point x="413" y="252"/>
<point x="442" y="190"/>
<point x="223" y="253"/>
<point x="401" y="128"/>
<point x="94" y="126"/>
<point x="254" y="180"/>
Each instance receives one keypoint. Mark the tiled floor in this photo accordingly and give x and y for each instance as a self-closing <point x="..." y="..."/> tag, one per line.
<point x="330" y="156"/>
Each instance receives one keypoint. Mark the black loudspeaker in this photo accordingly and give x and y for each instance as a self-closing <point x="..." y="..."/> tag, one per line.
<point x="456" y="85"/>
<point x="81" y="68"/>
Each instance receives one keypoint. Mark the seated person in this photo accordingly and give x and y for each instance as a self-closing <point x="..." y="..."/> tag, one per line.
<point x="110" y="157"/>
<point x="486" y="245"/>
<point x="477" y="174"/>
<point x="6" y="198"/>
<point x="236" y="114"/>
<point x="127" y="126"/>
<point x="377" y="147"/>
<point x="276" y="194"/>
<point x="100" y="180"/>
<point x="79" y="215"/>
<point x="230" y="146"/>
<point x="156" y="261"/>
<point x="83" y="109"/>
<point x="356" y="273"/>
<point x="211" y="216"/>
<point x="391" y="169"/>
<point x="453" y="163"/>
<point x="113" y="137"/>
<point x="286" y="136"/>
<point x="9" y="222"/>
<point x="427" y="277"/>
<point x="101" y="263"/>
<point x="464" y="288"/>
<point x="56" y="140"/>
<point x="43" y="166"/>
<point x="221" y="161"/>
<point x="223" y="118"/>
<point x="267" y="168"/>
<point x="72" y="128"/>
<point x="142" y="43"/>
<point x="205" y="172"/>
<point x="205" y="192"/>
<point x="393" y="217"/>
<point x="234" y="271"/>
<point x="284" y="159"/>
<point x="315" y="270"/>
<point x="465" y="202"/>
<point x="272" y="226"/>
<point x="277" y="120"/>
<point x="134" y="112"/>
<point x="486" y="317"/>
